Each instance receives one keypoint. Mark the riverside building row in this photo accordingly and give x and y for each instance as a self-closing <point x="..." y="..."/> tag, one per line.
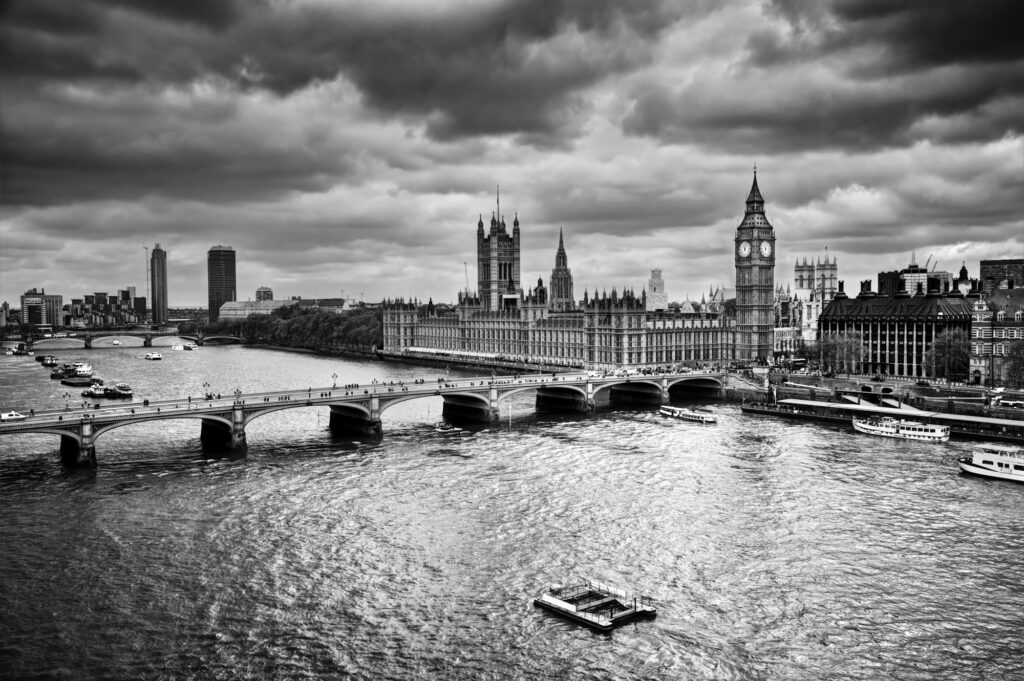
<point x="547" y="326"/>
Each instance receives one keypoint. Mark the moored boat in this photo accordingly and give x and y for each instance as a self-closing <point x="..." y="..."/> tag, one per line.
<point x="82" y="370"/>
<point x="177" y="346"/>
<point x="191" y="346"/>
<point x="887" y="426"/>
<point x="94" y="390"/>
<point x="595" y="604"/>
<point x="687" y="414"/>
<point x="49" y="361"/>
<point x="154" y="355"/>
<point x="995" y="461"/>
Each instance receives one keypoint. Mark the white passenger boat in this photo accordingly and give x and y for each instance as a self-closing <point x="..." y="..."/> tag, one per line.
<point x="191" y="346"/>
<point x="886" y="426"/>
<point x="995" y="461"/>
<point x="595" y="605"/>
<point x="82" y="369"/>
<point x="177" y="347"/>
<point x="687" y="414"/>
<point x="154" y="355"/>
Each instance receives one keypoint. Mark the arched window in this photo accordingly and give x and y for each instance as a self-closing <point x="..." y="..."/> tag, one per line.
<point x="1018" y="316"/>
<point x="1001" y="316"/>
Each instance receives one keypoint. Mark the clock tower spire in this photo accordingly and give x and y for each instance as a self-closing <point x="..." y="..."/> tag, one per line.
<point x="755" y="281"/>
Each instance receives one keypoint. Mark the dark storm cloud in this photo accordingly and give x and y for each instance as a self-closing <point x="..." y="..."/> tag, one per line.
<point x="857" y="75"/>
<point x="514" y="69"/>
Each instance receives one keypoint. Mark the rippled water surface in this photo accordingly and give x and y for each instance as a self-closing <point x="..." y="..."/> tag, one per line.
<point x="774" y="549"/>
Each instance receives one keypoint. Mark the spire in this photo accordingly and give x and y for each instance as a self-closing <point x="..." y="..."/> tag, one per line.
<point x="561" y="261"/>
<point x="755" y="202"/>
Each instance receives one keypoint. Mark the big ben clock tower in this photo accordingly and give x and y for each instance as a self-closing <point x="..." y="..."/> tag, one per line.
<point x="755" y="281"/>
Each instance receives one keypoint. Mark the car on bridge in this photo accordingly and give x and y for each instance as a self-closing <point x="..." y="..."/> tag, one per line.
<point x="11" y="416"/>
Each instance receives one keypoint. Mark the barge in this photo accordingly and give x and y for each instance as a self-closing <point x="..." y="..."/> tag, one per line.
<point x="595" y="605"/>
<point x="962" y="426"/>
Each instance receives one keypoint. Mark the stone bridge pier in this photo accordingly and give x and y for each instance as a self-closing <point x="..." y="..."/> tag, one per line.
<point x="78" y="450"/>
<point x="362" y="420"/>
<point x="147" y="340"/>
<point x="231" y="436"/>
<point x="565" y="399"/>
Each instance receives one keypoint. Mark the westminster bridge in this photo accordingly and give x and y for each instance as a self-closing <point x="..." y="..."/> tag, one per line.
<point x="87" y="338"/>
<point x="357" y="409"/>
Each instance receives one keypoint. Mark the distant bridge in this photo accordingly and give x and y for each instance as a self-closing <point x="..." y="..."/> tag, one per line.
<point x="87" y="338"/>
<point x="356" y="410"/>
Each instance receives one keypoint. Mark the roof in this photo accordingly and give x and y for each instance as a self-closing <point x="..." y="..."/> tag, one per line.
<point x="1006" y="299"/>
<point x="902" y="308"/>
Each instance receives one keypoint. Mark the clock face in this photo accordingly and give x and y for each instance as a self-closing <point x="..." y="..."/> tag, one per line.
<point x="766" y="249"/>
<point x="744" y="248"/>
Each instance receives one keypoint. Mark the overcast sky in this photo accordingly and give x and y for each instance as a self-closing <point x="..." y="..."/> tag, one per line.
<point x="351" y="146"/>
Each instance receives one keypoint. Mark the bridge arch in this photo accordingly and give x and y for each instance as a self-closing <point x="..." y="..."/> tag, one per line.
<point x="56" y="343"/>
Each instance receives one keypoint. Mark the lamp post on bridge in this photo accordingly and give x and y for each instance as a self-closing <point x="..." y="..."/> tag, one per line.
<point x="238" y="395"/>
<point x="335" y="377"/>
<point x="206" y="390"/>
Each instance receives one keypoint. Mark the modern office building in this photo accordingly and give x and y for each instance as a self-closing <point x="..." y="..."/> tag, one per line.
<point x="39" y="308"/>
<point x="897" y="331"/>
<point x="220" y="278"/>
<point x="755" y="281"/>
<point x="996" y="274"/>
<point x="158" y="283"/>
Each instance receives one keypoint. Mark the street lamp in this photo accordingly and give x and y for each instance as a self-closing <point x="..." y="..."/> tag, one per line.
<point x="206" y="390"/>
<point x="335" y="377"/>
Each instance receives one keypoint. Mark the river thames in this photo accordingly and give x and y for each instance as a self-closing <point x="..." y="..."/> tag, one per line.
<point x="774" y="549"/>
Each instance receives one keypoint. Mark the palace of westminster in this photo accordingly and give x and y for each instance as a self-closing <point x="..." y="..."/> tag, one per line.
<point x="759" y="323"/>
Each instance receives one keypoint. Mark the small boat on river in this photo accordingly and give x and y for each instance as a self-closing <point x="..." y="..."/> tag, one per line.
<point x="154" y="355"/>
<point x="94" y="390"/>
<point x="887" y="426"/>
<point x="995" y="461"/>
<point x="177" y="346"/>
<point x="594" y="604"/>
<point x="82" y="370"/>
<point x="687" y="414"/>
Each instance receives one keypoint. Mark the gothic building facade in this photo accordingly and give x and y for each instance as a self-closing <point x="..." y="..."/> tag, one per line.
<point x="755" y="281"/>
<point x="546" y="327"/>
<point x="497" y="262"/>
